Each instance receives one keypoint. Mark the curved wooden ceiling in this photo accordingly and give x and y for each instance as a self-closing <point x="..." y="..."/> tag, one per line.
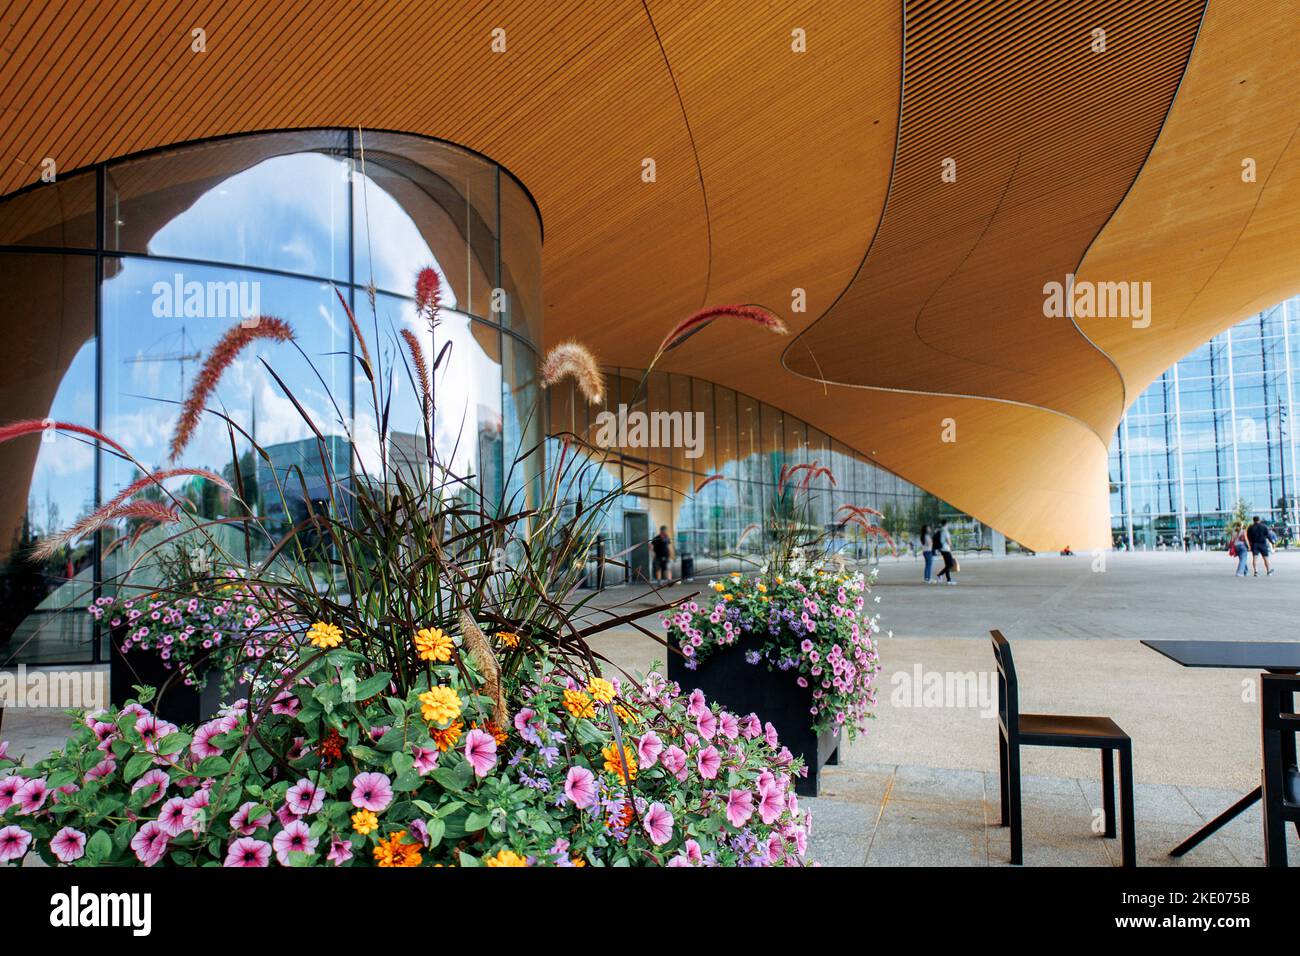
<point x="773" y="169"/>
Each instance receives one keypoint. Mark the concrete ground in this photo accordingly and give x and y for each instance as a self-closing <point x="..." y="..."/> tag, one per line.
<point x="921" y="786"/>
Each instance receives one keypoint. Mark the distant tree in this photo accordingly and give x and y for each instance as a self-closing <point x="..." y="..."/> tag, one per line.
<point x="1240" y="513"/>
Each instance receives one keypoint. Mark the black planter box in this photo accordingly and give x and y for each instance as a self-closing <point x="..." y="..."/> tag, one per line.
<point x="178" y="703"/>
<point x="743" y="688"/>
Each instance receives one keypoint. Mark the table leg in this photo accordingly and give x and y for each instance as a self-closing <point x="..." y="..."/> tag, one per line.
<point x="1223" y="818"/>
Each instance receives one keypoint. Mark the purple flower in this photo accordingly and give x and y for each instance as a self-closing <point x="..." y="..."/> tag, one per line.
<point x="528" y="724"/>
<point x="426" y="759"/>
<point x="372" y="791"/>
<point x="340" y="851"/>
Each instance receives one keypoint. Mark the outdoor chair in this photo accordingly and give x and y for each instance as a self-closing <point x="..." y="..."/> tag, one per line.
<point x="1016" y="730"/>
<point x="1281" y="779"/>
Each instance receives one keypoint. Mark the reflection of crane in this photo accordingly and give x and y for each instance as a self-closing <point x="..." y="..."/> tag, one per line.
<point x="180" y="357"/>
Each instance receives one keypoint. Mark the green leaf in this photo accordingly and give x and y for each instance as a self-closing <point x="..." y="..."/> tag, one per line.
<point x="99" y="847"/>
<point x="402" y="763"/>
<point x="436" y="829"/>
<point x="373" y="685"/>
<point x="467" y="860"/>
<point x="174" y="743"/>
<point x="478" y="820"/>
<point x="212" y="766"/>
<point x="136" y="766"/>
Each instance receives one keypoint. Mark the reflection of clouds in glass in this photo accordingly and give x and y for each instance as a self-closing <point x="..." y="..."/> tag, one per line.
<point x="396" y="245"/>
<point x="287" y="212"/>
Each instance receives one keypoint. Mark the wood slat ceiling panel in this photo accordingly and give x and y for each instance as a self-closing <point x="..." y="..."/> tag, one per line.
<point x="1047" y="135"/>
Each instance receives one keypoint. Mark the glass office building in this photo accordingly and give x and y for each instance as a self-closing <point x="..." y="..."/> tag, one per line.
<point x="1213" y="431"/>
<point x="120" y="278"/>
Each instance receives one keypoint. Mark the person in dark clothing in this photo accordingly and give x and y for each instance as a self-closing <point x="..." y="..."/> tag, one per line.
<point x="943" y="544"/>
<point x="1260" y="537"/>
<point x="663" y="550"/>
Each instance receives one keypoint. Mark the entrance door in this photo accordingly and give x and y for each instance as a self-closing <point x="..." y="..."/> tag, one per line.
<point x="636" y="532"/>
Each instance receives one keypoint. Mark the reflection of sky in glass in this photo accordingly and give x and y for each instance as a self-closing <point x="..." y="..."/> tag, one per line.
<point x="287" y="213"/>
<point x="63" y="481"/>
<point x="150" y="364"/>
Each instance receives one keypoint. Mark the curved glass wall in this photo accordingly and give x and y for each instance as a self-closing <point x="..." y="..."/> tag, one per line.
<point x="119" y="279"/>
<point x="745" y="441"/>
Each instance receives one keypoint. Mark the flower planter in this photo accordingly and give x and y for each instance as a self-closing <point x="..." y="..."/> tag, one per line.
<point x="179" y="704"/>
<point x="726" y="677"/>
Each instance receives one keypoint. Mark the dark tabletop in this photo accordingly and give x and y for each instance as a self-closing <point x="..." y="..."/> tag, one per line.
<point x="1282" y="656"/>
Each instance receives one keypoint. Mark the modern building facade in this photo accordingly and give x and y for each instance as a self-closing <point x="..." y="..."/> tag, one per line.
<point x="121" y="277"/>
<point x="1213" y="431"/>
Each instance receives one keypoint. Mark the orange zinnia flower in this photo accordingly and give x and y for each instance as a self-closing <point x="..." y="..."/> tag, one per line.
<point x="446" y="739"/>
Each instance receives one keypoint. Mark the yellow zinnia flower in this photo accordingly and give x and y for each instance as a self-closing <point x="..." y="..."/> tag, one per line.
<point x="433" y="644"/>
<point x="762" y="588"/>
<point x="440" y="705"/>
<point x="719" y="586"/>
<point x="508" y="638"/>
<point x="324" y="635"/>
<point x="624" y="714"/>
<point x="364" y="821"/>
<point x="601" y="689"/>
<point x="615" y="766"/>
<point x="506" y="858"/>
<point x="578" y="704"/>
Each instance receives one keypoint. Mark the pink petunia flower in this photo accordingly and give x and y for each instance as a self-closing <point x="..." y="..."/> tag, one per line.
<point x="69" y="845"/>
<point x="372" y="791"/>
<point x="305" y="797"/>
<point x="201" y="746"/>
<point x="295" y="838"/>
<point x="696" y="703"/>
<point x="426" y="759"/>
<point x="102" y="769"/>
<point x="729" y="725"/>
<point x="481" y="751"/>
<point x="658" y="823"/>
<point x="31" y="795"/>
<point x="769" y="733"/>
<point x="14" y="842"/>
<point x="771" y="803"/>
<point x="708" y="761"/>
<point x="740" y="807"/>
<point x="648" y="749"/>
<point x="244" y="826"/>
<point x="751" y="726"/>
<point x="149" y="843"/>
<point x="172" y="817"/>
<point x="340" y="851"/>
<point x="286" y="704"/>
<point x="9" y="787"/>
<point x="580" y="787"/>
<point x="707" y="724"/>
<point x="247" y="852"/>
<point x="674" y="761"/>
<point x="157" y="779"/>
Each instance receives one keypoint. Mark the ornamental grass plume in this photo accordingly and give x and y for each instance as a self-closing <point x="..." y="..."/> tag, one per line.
<point x="31" y="426"/>
<point x="219" y="359"/>
<point x="115" y="509"/>
<point x="421" y="368"/>
<point x="428" y="292"/>
<point x="708" y="481"/>
<point x="480" y="652"/>
<point x="749" y="314"/>
<point x="573" y="360"/>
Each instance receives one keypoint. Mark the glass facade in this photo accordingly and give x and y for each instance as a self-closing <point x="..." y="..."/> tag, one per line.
<point x="745" y="441"/>
<point x="120" y="278"/>
<point x="1213" y="431"/>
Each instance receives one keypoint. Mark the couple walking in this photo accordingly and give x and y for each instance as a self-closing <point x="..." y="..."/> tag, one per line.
<point x="938" y="543"/>
<point x="1257" y="541"/>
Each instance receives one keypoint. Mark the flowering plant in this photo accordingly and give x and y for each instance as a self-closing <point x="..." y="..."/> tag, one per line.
<point x="344" y="772"/>
<point x="810" y="621"/>
<point x="195" y="633"/>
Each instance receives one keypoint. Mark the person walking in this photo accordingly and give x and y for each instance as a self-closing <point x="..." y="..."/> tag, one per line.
<point x="927" y="552"/>
<point x="1238" y="547"/>
<point x="1261" y="537"/>
<point x="943" y="544"/>
<point x="663" y="550"/>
